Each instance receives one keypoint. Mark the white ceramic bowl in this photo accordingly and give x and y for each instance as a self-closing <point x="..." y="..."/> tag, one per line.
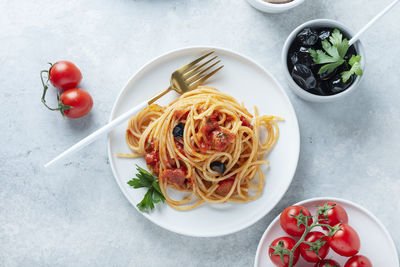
<point x="376" y="242"/>
<point x="274" y="8"/>
<point x="300" y="91"/>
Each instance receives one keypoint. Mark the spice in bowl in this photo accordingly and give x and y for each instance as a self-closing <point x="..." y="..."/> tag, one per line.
<point x="321" y="61"/>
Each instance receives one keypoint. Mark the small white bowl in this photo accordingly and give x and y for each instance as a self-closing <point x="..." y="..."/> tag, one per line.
<point x="274" y="8"/>
<point x="300" y="91"/>
<point x="376" y="242"/>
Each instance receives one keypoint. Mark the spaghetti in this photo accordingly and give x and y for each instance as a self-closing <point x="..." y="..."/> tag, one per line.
<point x="204" y="143"/>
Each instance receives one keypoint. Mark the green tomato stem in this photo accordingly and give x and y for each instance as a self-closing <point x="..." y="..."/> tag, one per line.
<point x="302" y="238"/>
<point x="61" y="107"/>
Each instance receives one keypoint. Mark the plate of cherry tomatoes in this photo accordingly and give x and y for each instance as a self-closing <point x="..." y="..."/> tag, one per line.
<point x="326" y="232"/>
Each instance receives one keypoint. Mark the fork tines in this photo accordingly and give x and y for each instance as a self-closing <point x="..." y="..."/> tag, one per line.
<point x="197" y="72"/>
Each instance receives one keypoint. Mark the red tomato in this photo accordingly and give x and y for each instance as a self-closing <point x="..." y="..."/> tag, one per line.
<point x="278" y="246"/>
<point x="358" y="261"/>
<point x="327" y="263"/>
<point x="65" y="75"/>
<point x="289" y="223"/>
<point x="311" y="256"/>
<point x="225" y="186"/>
<point x="334" y="215"/>
<point x="152" y="158"/>
<point x="221" y="139"/>
<point x="80" y="101"/>
<point x="175" y="175"/>
<point x="345" y="241"/>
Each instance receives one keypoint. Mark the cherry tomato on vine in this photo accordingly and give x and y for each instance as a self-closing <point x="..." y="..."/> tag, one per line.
<point x="290" y="224"/>
<point x="358" y="261"/>
<point x="319" y="243"/>
<point x="281" y="247"/>
<point x="64" y="75"/>
<point x="327" y="263"/>
<point x="345" y="241"/>
<point x="79" y="101"/>
<point x="332" y="213"/>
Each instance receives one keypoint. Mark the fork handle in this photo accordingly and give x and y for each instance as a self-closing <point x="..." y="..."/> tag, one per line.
<point x="105" y="129"/>
<point x="154" y="98"/>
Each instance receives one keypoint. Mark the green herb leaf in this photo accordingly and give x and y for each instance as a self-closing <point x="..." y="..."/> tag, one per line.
<point x="341" y="45"/>
<point x="156" y="186"/>
<point x="329" y="68"/>
<point x="157" y="197"/>
<point x="355" y="68"/>
<point x="153" y="195"/>
<point x="147" y="202"/>
<point x="336" y="37"/>
<point x="331" y="50"/>
<point x="335" y="51"/>
<point x="354" y="59"/>
<point x="320" y="57"/>
<point x="332" y="57"/>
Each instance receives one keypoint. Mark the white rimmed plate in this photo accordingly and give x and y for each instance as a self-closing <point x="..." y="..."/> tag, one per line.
<point x="376" y="242"/>
<point x="248" y="82"/>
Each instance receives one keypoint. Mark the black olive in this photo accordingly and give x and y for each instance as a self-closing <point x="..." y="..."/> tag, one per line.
<point x="218" y="167"/>
<point x="304" y="77"/>
<point x="324" y="34"/>
<point x="294" y="58"/>
<point x="178" y="130"/>
<point x="326" y="75"/>
<point x="337" y="84"/>
<point x="307" y="37"/>
<point x="305" y="57"/>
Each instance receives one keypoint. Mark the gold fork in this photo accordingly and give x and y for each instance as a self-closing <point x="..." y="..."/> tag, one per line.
<point x="184" y="79"/>
<point x="190" y="76"/>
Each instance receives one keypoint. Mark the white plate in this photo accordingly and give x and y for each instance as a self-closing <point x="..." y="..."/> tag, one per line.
<point x="376" y="243"/>
<point x="247" y="82"/>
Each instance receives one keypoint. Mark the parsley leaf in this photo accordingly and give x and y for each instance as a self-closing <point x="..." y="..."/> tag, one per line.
<point x="329" y="68"/>
<point x="331" y="50"/>
<point x="320" y="57"/>
<point x="355" y="68"/>
<point x="333" y="56"/>
<point x="341" y="45"/>
<point x="153" y="195"/>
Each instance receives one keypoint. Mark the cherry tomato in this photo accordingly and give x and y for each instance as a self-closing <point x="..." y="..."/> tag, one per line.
<point x="80" y="101"/>
<point x="334" y="215"/>
<point x="278" y="246"/>
<point x="358" y="261"/>
<point x="345" y="241"/>
<point x="65" y="75"/>
<point x="327" y="263"/>
<point x="289" y="223"/>
<point x="317" y="238"/>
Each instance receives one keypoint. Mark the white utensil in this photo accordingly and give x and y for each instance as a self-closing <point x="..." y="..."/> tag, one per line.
<point x="184" y="79"/>
<point x="107" y="128"/>
<point x="369" y="24"/>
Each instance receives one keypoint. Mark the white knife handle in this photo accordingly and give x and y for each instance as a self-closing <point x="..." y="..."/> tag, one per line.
<point x="105" y="129"/>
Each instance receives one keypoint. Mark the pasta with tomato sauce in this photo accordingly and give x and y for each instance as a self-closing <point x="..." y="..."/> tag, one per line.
<point x="204" y="143"/>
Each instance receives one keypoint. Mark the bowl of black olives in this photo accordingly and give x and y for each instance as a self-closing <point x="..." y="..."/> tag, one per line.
<point x="319" y="64"/>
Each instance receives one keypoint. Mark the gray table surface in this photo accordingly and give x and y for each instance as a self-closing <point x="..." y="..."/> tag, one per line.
<point x="75" y="215"/>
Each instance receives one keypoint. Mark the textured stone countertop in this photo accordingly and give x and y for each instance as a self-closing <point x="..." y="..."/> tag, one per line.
<point x="75" y="214"/>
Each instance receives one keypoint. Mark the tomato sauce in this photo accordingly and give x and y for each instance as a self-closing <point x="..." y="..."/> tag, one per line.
<point x="175" y="175"/>
<point x="225" y="186"/>
<point x="214" y="137"/>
